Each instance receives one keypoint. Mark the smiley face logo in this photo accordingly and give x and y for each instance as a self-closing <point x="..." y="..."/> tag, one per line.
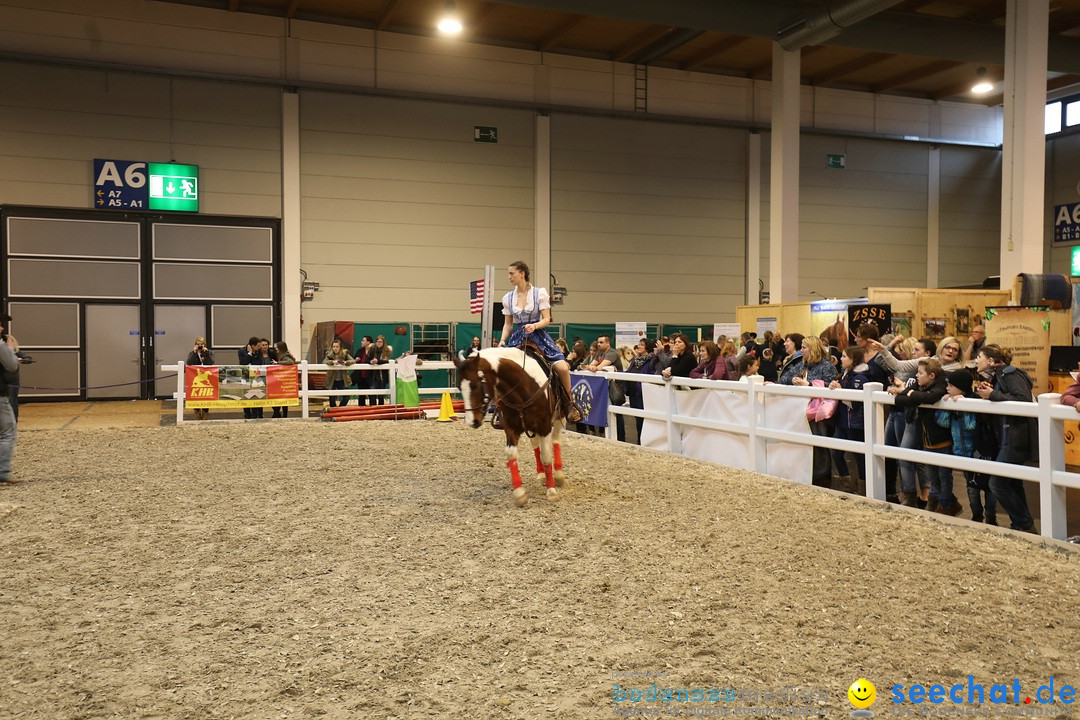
<point x="862" y="693"/>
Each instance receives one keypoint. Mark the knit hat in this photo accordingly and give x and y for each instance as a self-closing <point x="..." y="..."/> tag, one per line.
<point x="960" y="378"/>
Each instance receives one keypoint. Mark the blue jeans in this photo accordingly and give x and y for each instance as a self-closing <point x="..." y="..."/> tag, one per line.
<point x="838" y="459"/>
<point x="338" y="400"/>
<point x="7" y="438"/>
<point x="900" y="433"/>
<point x="941" y="479"/>
<point x="977" y="484"/>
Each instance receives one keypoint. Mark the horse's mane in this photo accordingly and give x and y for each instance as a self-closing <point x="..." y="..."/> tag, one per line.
<point x="497" y="356"/>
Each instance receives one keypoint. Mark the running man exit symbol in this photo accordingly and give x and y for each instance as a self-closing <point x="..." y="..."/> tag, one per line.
<point x="482" y="133"/>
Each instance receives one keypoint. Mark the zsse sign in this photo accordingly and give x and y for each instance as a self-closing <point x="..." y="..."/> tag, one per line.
<point x="134" y="185"/>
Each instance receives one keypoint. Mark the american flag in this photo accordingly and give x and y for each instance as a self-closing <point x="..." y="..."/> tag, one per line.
<point x="476" y="296"/>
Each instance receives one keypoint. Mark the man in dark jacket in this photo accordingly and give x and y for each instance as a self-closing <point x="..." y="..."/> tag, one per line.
<point x="929" y="388"/>
<point x="8" y="364"/>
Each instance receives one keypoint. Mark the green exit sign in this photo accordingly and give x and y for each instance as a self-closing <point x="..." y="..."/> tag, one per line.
<point x="834" y="161"/>
<point x="483" y="133"/>
<point x="173" y="187"/>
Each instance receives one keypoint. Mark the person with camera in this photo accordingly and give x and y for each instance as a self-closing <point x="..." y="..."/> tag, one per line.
<point x="252" y="354"/>
<point x="9" y="363"/>
<point x="200" y="355"/>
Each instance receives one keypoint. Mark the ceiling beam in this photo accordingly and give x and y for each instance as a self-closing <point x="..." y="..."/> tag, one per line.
<point x="486" y="10"/>
<point x="712" y="51"/>
<point x="918" y="73"/>
<point x="899" y="33"/>
<point x="560" y="32"/>
<point x="640" y="41"/>
<point x="847" y="68"/>
<point x="386" y="15"/>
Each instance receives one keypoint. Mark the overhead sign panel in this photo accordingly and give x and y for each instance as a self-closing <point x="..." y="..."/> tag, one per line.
<point x="138" y="185"/>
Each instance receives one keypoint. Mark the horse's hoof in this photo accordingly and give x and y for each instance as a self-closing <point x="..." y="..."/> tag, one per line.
<point x="520" y="498"/>
<point x="541" y="477"/>
<point x="560" y="478"/>
<point x="552" y="495"/>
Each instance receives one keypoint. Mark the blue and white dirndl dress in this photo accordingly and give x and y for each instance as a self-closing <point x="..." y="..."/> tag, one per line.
<point x="536" y="301"/>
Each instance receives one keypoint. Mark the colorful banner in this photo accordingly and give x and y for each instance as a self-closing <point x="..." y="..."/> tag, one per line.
<point x="828" y="320"/>
<point x="232" y="386"/>
<point x="590" y="391"/>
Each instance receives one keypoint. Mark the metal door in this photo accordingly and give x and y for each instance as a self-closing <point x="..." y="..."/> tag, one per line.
<point x="175" y="330"/>
<point x="113" y="351"/>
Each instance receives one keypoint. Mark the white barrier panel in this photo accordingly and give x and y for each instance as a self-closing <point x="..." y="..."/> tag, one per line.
<point x="786" y="460"/>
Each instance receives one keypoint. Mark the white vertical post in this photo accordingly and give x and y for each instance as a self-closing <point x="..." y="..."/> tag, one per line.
<point x="874" y="429"/>
<point x="181" y="378"/>
<point x="1023" y="158"/>
<point x="933" y="218"/>
<point x="1051" y="458"/>
<point x="753" y="217"/>
<point x="758" y="453"/>
<point x="304" y="400"/>
<point x="489" y="306"/>
<point x="674" y="442"/>
<point x="784" y="182"/>
<point x="290" y="218"/>
<point x="542" y="203"/>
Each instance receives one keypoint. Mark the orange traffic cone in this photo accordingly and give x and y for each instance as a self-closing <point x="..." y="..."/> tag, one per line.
<point x="446" y="410"/>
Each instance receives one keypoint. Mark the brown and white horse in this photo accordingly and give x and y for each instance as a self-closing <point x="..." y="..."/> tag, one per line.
<point x="527" y="404"/>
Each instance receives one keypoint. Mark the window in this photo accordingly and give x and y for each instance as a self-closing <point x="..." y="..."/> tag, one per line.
<point x="1053" y="118"/>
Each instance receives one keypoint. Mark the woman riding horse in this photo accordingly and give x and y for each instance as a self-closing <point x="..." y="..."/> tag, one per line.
<point x="528" y="311"/>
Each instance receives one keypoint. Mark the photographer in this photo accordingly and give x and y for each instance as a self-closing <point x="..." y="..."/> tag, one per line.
<point x="9" y="363"/>
<point x="200" y="355"/>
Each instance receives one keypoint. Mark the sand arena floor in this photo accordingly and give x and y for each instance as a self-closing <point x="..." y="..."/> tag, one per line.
<point x="378" y="570"/>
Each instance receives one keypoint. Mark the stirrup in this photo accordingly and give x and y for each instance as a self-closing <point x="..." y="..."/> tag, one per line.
<point x="496" y="419"/>
<point x="573" y="412"/>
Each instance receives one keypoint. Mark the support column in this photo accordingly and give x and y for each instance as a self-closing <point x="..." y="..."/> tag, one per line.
<point x="542" y="219"/>
<point x="784" y="184"/>
<point x="933" y="218"/>
<point x="753" y="217"/>
<point x="290" y="221"/>
<point x="1024" y="156"/>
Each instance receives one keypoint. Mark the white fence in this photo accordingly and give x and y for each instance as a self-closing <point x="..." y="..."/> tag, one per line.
<point x="305" y="368"/>
<point x="1050" y="473"/>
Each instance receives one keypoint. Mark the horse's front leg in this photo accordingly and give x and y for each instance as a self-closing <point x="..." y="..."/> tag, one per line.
<point x="546" y="456"/>
<point x="556" y="446"/>
<point x="512" y="463"/>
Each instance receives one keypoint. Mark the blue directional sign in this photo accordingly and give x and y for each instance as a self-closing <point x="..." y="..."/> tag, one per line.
<point x="1067" y="223"/>
<point x="120" y="185"/>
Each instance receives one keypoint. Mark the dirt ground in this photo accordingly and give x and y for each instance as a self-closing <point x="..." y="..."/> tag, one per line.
<point x="379" y="570"/>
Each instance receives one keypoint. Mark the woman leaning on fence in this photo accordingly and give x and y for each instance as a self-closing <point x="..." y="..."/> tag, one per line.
<point x="815" y="364"/>
<point x="1017" y="436"/>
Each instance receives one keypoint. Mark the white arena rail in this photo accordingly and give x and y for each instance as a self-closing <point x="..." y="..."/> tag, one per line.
<point x="1049" y="473"/>
<point x="304" y="368"/>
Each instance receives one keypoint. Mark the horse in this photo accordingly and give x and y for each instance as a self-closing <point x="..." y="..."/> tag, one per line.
<point x="528" y="403"/>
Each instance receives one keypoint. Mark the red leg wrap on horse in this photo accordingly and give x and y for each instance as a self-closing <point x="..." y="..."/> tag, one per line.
<point x="549" y="476"/>
<point x="558" y="456"/>
<point x="515" y="475"/>
<point x="539" y="465"/>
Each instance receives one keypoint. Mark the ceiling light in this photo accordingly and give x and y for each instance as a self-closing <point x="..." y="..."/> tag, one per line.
<point x="450" y="23"/>
<point x="982" y="84"/>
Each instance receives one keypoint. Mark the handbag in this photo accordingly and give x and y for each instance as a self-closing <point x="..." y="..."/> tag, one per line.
<point x="819" y="409"/>
<point x="615" y="393"/>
